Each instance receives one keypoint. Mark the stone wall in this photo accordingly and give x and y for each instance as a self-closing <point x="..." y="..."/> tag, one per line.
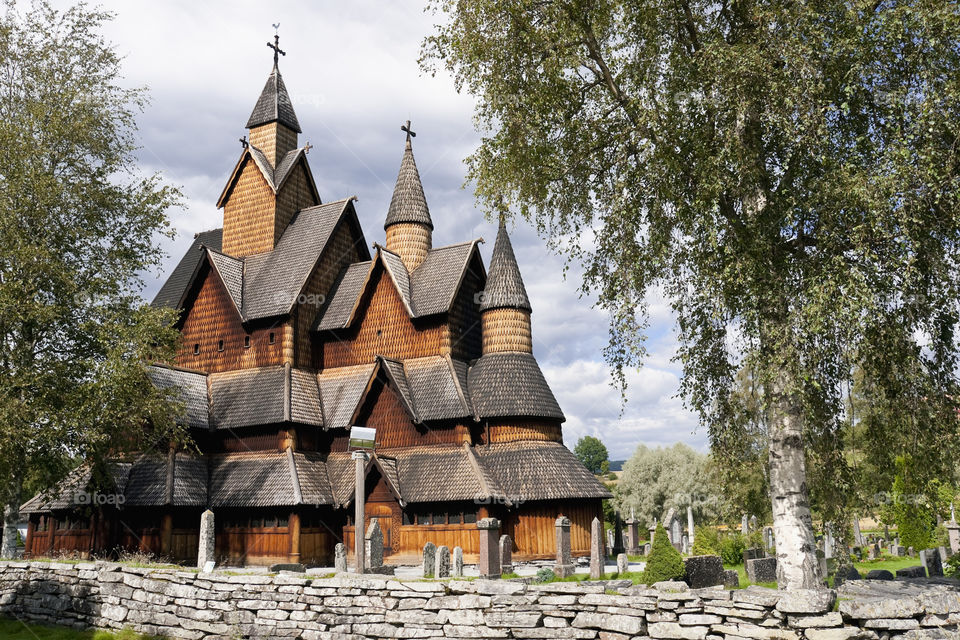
<point x="185" y="604"/>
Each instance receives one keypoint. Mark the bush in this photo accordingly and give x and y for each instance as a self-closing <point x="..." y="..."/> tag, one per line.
<point x="545" y="575"/>
<point x="706" y="542"/>
<point x="732" y="547"/>
<point x="664" y="562"/>
<point x="755" y="539"/>
<point x="951" y="567"/>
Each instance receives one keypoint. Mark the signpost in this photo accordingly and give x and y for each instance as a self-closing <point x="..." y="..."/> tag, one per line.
<point x="362" y="440"/>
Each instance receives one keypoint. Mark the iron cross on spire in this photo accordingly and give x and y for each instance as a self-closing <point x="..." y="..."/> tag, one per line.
<point x="410" y="132"/>
<point x="275" y="45"/>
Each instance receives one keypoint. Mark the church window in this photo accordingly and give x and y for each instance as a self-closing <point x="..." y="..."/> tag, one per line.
<point x="272" y="338"/>
<point x="246" y="342"/>
<point x="196" y="348"/>
<point x="220" y="346"/>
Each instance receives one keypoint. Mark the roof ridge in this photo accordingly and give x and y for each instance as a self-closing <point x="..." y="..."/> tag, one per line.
<point x="294" y="477"/>
<point x="454" y="245"/>
<point x="174" y="367"/>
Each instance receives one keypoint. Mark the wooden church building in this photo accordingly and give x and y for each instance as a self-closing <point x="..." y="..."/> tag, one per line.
<point x="295" y="328"/>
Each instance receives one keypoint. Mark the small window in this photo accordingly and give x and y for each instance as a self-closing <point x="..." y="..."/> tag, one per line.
<point x="470" y="517"/>
<point x="407" y="519"/>
<point x="271" y="522"/>
<point x="439" y="518"/>
<point x="196" y="349"/>
<point x="272" y="338"/>
<point x="454" y="518"/>
<point x="282" y="522"/>
<point x="246" y="342"/>
<point x="423" y="518"/>
<point x="220" y="346"/>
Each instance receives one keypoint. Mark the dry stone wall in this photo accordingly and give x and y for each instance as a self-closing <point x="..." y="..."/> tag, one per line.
<point x="185" y="604"/>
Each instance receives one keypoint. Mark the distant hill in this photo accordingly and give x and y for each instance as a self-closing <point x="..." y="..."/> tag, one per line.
<point x="616" y="465"/>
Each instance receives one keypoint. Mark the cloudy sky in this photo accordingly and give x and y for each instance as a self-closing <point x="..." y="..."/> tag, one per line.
<point x="351" y="69"/>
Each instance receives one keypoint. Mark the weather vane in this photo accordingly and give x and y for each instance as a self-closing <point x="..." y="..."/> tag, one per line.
<point x="410" y="132"/>
<point x="275" y="45"/>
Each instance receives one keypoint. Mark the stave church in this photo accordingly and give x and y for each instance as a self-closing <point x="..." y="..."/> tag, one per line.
<point x="293" y="329"/>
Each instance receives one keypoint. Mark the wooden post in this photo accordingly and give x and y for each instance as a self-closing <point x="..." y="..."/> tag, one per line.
<point x="28" y="543"/>
<point x="166" y="534"/>
<point x="51" y="530"/>
<point x="294" y="528"/>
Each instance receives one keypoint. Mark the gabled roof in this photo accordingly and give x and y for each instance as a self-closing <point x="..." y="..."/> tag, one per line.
<point x="258" y="479"/>
<point x="504" y="284"/>
<point x="429" y="290"/>
<point x="437" y="388"/>
<point x="341" y="391"/>
<point x="275" y="177"/>
<point x="191" y="391"/>
<point x="539" y="471"/>
<point x="231" y="274"/>
<point x="511" y="384"/>
<point x="147" y="482"/>
<point x="274" y="104"/>
<point x="173" y="291"/>
<point x="408" y="203"/>
<point x="266" y="395"/>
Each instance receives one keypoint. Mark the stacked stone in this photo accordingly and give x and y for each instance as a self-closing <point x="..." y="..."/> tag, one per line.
<point x="201" y="606"/>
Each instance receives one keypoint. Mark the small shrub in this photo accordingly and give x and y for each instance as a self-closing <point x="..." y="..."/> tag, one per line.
<point x="951" y="568"/>
<point x="545" y="575"/>
<point x="665" y="562"/>
<point x="706" y="541"/>
<point x="732" y="547"/>
<point x="755" y="539"/>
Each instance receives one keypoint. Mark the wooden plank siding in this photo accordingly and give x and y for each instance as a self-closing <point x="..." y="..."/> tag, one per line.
<point x="517" y="429"/>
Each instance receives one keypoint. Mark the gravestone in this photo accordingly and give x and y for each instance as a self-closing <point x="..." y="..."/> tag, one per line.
<point x="886" y="532"/>
<point x="753" y="523"/>
<point x="873" y="551"/>
<point x="685" y="544"/>
<point x="690" y="524"/>
<point x="340" y="558"/>
<point x="731" y="579"/>
<point x="430" y="559"/>
<point x="827" y="542"/>
<point x="564" y="566"/>
<point x="206" y="553"/>
<point x="897" y="550"/>
<point x="647" y="548"/>
<point x="704" y="571"/>
<point x="443" y="561"/>
<point x="597" y="555"/>
<point x="652" y="530"/>
<point x="752" y="553"/>
<point x="374" y="548"/>
<point x="617" y="546"/>
<point x="623" y="563"/>
<point x="768" y="537"/>
<point x="953" y="533"/>
<point x="762" y="570"/>
<point x="457" y="562"/>
<point x="506" y="554"/>
<point x="930" y="559"/>
<point x="822" y="561"/>
<point x="879" y="574"/>
<point x="944" y="554"/>
<point x="609" y="538"/>
<point x="911" y="552"/>
<point x="912" y="572"/>
<point x="744" y="525"/>
<point x="674" y="527"/>
<point x="857" y="534"/>
<point x="489" y="564"/>
<point x="633" y="536"/>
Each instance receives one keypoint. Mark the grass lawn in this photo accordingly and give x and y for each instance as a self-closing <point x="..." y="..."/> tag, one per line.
<point x="16" y="630"/>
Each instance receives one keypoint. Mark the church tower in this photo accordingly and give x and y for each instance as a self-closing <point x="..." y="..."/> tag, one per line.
<point x="505" y="308"/>
<point x="408" y="225"/>
<point x="272" y="180"/>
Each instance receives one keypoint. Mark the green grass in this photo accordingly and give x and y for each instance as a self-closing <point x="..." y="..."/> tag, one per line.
<point x="16" y="630"/>
<point x="744" y="583"/>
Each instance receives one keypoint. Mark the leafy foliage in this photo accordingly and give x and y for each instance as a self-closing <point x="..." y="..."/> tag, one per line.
<point x="912" y="511"/>
<point x="544" y="574"/>
<point x="706" y="541"/>
<point x="664" y="561"/>
<point x="592" y="454"/>
<point x="732" y="547"/>
<point x="77" y="226"/>
<point x="653" y="480"/>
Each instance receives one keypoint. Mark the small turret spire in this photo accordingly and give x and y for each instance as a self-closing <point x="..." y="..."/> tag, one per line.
<point x="408" y="224"/>
<point x="504" y="285"/>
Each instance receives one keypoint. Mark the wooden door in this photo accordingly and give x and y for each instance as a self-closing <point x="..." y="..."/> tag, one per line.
<point x="384" y="515"/>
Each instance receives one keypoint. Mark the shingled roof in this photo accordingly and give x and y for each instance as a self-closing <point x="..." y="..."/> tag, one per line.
<point x="429" y="290"/>
<point x="147" y="482"/>
<point x="265" y="395"/>
<point x="528" y="471"/>
<point x="341" y="390"/>
<point x="436" y="388"/>
<point x="504" y="285"/>
<point x="67" y="494"/>
<point x="275" y="177"/>
<point x="274" y="104"/>
<point x="191" y="391"/>
<point x="511" y="384"/>
<point x="172" y="292"/>
<point x="408" y="203"/>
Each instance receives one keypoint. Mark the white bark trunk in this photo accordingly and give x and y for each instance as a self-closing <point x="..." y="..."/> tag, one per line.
<point x="11" y="517"/>
<point x="797" y="566"/>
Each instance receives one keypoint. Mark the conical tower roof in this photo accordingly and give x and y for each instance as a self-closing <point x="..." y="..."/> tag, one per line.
<point x="274" y="104"/>
<point x="408" y="203"/>
<point x="504" y="284"/>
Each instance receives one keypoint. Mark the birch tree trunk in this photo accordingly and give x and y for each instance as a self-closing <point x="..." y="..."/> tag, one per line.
<point x="11" y="516"/>
<point x="797" y="565"/>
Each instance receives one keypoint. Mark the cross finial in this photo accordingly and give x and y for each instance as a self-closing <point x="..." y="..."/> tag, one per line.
<point x="410" y="132"/>
<point x="307" y="147"/>
<point x="275" y="45"/>
<point x="243" y="142"/>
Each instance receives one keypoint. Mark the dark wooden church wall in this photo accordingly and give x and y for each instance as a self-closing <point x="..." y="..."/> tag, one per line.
<point x="464" y="338"/>
<point x="532" y="526"/>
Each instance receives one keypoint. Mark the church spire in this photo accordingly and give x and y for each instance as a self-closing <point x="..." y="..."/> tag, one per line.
<point x="273" y="124"/>
<point x="504" y="285"/>
<point x="408" y="224"/>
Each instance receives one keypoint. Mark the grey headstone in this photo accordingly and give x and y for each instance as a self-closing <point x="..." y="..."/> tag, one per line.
<point x="911" y="552"/>
<point x="953" y="533"/>
<point x="597" y="554"/>
<point x="374" y="542"/>
<point x="506" y="554"/>
<point x="753" y="523"/>
<point x="690" y="525"/>
<point x="564" y="566"/>
<point x="647" y="548"/>
<point x="768" y="537"/>
<point x="857" y="534"/>
<point x="617" y="545"/>
<point x="429" y="560"/>
<point x="886" y="532"/>
<point x="762" y="570"/>
<point x="930" y="559"/>
<point x="844" y="574"/>
<point x="623" y="563"/>
<point x="457" y="562"/>
<point x="443" y="561"/>
<point x="744" y="524"/>
<point x="208" y="541"/>
<point x="731" y="579"/>
<point x="340" y="558"/>
<point x="685" y="544"/>
<point x="912" y="572"/>
<point x="752" y="553"/>
<point x="704" y="571"/>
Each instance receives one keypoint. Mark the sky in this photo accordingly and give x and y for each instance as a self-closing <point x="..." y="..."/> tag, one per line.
<point x="352" y="72"/>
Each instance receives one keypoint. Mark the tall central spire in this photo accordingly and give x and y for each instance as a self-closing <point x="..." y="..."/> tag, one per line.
<point x="273" y="124"/>
<point x="408" y="224"/>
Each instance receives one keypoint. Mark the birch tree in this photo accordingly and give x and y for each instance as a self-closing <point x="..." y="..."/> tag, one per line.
<point x="786" y="173"/>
